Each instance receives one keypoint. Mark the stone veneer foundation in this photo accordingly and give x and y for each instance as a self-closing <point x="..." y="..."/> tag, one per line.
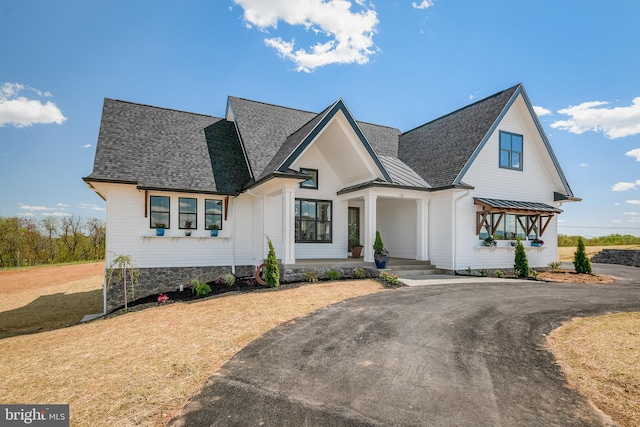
<point x="168" y="279"/>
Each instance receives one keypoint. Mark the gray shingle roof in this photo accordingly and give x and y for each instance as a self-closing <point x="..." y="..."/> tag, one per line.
<point x="270" y="133"/>
<point x="167" y="149"/>
<point x="439" y="150"/>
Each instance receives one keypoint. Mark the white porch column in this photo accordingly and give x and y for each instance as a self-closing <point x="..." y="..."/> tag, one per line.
<point x="369" y="225"/>
<point x="288" y="225"/>
<point x="422" y="230"/>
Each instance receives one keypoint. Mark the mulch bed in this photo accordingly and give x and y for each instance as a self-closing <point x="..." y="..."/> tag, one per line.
<point x="217" y="289"/>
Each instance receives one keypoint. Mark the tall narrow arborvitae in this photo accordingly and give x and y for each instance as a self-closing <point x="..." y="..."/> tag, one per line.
<point x="580" y="260"/>
<point x="520" y="264"/>
<point x="271" y="269"/>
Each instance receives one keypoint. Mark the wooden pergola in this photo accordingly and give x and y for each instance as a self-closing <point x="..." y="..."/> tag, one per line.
<point x="530" y="215"/>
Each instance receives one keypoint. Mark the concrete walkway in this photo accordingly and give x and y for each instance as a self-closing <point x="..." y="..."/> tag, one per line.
<point x="449" y="279"/>
<point x="466" y="355"/>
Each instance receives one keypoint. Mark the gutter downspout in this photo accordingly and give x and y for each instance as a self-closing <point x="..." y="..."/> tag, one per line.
<point x="233" y="239"/>
<point x="454" y="253"/>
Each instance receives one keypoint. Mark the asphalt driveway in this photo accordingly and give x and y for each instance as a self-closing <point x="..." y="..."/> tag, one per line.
<point x="441" y="355"/>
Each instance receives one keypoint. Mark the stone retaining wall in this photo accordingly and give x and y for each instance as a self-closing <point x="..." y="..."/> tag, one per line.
<point x="618" y="256"/>
<point x="153" y="281"/>
<point x="167" y="279"/>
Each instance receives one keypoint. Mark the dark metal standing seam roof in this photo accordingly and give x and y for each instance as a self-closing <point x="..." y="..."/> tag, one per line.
<point x="514" y="205"/>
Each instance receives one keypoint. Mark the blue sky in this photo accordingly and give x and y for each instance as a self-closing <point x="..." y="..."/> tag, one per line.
<point x="394" y="62"/>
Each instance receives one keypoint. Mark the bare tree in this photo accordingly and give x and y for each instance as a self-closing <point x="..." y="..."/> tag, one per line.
<point x="50" y="226"/>
<point x="71" y="235"/>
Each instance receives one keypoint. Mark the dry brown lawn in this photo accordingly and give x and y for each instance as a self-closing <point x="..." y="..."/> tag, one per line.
<point x="601" y="359"/>
<point x="140" y="368"/>
<point x="565" y="254"/>
<point x="45" y="298"/>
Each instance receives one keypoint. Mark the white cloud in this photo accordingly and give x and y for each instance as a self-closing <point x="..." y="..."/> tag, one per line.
<point x="634" y="153"/>
<point x="614" y="122"/>
<point x="633" y="202"/>
<point x="584" y="165"/>
<point x="617" y="221"/>
<point x="86" y="146"/>
<point x="541" y="111"/>
<point x="92" y="207"/>
<point x="35" y="208"/>
<point x="424" y="4"/>
<point x="56" y="214"/>
<point x="345" y="36"/>
<point x="62" y="205"/>
<point x="22" y="112"/>
<point x="26" y="214"/>
<point x="624" y="186"/>
<point x="631" y="213"/>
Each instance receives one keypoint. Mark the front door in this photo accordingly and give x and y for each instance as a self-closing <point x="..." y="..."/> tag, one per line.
<point x="354" y="228"/>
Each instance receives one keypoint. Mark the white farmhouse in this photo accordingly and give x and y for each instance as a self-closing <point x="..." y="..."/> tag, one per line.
<point x="318" y="183"/>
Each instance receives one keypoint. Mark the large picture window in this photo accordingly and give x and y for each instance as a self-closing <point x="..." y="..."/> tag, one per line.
<point x="188" y="215"/>
<point x="159" y="211"/>
<point x="213" y="213"/>
<point x="510" y="150"/>
<point x="510" y="228"/>
<point x="313" y="221"/>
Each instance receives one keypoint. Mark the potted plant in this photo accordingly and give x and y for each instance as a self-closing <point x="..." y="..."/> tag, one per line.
<point x="490" y="241"/>
<point x="187" y="224"/>
<point x="356" y="250"/>
<point x="214" y="229"/>
<point x="380" y="254"/>
<point x="160" y="228"/>
<point x="537" y="242"/>
<point x="354" y="242"/>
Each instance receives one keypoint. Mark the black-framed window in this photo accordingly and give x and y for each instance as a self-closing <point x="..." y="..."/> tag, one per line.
<point x="213" y="213"/>
<point x="159" y="208"/>
<point x="312" y="182"/>
<point x="313" y="221"/>
<point x="511" y="227"/>
<point x="188" y="213"/>
<point x="511" y="150"/>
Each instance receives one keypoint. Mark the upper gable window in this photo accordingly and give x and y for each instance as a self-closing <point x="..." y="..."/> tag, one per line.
<point x="510" y="150"/>
<point x="312" y="182"/>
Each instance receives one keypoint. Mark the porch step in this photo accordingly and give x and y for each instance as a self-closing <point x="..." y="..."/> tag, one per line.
<point x="411" y="268"/>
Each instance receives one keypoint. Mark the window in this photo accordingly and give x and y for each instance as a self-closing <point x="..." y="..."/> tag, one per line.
<point x="313" y="221"/>
<point x="213" y="213"/>
<point x="188" y="215"/>
<point x="511" y="227"/>
<point x="159" y="211"/>
<point x="510" y="150"/>
<point x="312" y="182"/>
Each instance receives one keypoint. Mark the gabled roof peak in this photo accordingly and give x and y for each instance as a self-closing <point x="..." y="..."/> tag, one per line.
<point x="512" y="89"/>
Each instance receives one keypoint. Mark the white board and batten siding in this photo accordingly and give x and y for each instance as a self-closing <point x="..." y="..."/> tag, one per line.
<point x="535" y="183"/>
<point x="328" y="185"/>
<point x="397" y="223"/>
<point x="130" y="232"/>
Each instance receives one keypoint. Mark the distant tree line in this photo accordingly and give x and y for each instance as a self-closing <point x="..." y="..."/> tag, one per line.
<point x="610" y="240"/>
<point x="52" y="240"/>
